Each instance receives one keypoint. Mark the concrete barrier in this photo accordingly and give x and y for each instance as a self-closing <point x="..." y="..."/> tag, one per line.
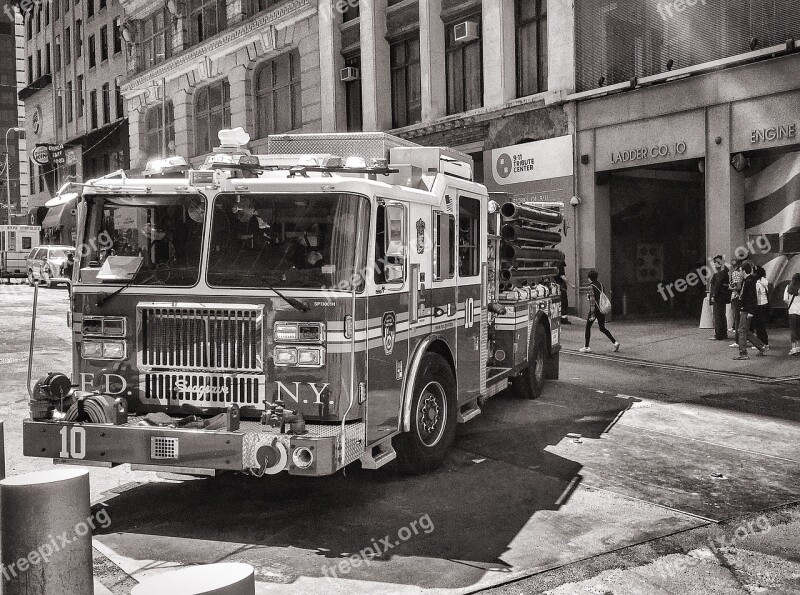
<point x="46" y="539"/>
<point x="208" y="579"/>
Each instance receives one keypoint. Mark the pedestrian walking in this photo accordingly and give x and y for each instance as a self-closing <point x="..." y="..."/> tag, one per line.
<point x="736" y="278"/>
<point x="792" y="298"/>
<point x="749" y="303"/>
<point x="719" y="296"/>
<point x="597" y="299"/>
<point x="761" y="317"/>
<point x="563" y="284"/>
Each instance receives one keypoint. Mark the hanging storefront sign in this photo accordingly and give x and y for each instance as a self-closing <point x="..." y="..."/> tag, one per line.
<point x="49" y="154"/>
<point x="539" y="170"/>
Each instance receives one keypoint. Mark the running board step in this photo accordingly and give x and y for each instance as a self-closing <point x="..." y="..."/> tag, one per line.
<point x="379" y="455"/>
<point x="468" y="411"/>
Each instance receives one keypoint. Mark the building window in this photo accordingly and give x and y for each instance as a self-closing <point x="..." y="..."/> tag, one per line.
<point x="106" y="91"/>
<point x="92" y="57"/>
<point x="352" y="89"/>
<point x="90" y="8"/>
<point x="212" y="111"/>
<point x="69" y="92"/>
<point x="102" y="4"/>
<point x="30" y="26"/>
<point x="79" y="95"/>
<point x="103" y="43"/>
<point x="118" y="99"/>
<point x="59" y="111"/>
<point x="155" y="129"/>
<point x="256" y="6"/>
<point x="278" y="103"/>
<point x="47" y="58"/>
<point x="56" y="9"/>
<point x="38" y="63"/>
<point x="46" y="15"/>
<point x="117" y="36"/>
<point x="206" y="19"/>
<point x="93" y="107"/>
<point x="57" y="53"/>
<point x="39" y="19"/>
<point x="464" y="72"/>
<point x="406" y="83"/>
<point x="67" y="44"/>
<point x="351" y="13"/>
<point x="531" y="17"/>
<point x="155" y="39"/>
<point x="78" y="39"/>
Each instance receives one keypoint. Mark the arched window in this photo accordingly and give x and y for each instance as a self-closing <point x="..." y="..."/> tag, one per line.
<point x="278" y="103"/>
<point x="212" y="113"/>
<point x="154" y="121"/>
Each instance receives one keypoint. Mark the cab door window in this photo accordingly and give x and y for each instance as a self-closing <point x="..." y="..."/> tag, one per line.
<point x="390" y="244"/>
<point x="444" y="241"/>
<point x="469" y="221"/>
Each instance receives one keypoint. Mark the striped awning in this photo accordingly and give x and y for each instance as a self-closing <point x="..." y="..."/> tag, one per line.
<point x="60" y="215"/>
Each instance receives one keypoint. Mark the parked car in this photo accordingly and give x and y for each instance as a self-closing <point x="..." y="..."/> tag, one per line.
<point x="50" y="265"/>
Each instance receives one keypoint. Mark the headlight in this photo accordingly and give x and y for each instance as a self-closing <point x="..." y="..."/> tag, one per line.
<point x="103" y="349"/>
<point x="104" y="326"/>
<point x="285" y="356"/>
<point x="91" y="349"/>
<point x="309" y="356"/>
<point x="299" y="332"/>
<point x="285" y="332"/>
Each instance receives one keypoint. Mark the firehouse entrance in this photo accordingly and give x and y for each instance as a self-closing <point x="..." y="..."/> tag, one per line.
<point x="657" y="237"/>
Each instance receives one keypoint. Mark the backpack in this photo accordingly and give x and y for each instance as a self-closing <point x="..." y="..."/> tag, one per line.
<point x="603" y="304"/>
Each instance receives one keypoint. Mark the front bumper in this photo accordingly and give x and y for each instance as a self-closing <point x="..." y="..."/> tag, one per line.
<point x="194" y="448"/>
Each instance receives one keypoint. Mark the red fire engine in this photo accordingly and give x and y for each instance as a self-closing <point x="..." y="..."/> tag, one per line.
<point x="297" y="310"/>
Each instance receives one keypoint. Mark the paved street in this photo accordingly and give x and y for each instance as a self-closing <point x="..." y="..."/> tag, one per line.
<point x="615" y="481"/>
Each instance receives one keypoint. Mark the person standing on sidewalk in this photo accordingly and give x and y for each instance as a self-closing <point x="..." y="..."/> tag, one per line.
<point x="595" y="314"/>
<point x="792" y="298"/>
<point x="762" y="309"/>
<point x="736" y="278"/>
<point x="719" y="296"/>
<point x="749" y="304"/>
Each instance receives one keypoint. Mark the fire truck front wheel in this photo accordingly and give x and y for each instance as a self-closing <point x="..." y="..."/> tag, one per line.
<point x="530" y="382"/>
<point x="433" y="418"/>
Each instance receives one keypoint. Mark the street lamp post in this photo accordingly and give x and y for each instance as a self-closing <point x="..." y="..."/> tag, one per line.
<point x="8" y="178"/>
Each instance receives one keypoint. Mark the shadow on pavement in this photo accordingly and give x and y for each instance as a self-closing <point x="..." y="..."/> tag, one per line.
<point x="498" y="476"/>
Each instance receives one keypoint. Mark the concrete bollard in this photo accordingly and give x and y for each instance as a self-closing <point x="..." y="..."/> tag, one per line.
<point x="209" y="579"/>
<point x="46" y="533"/>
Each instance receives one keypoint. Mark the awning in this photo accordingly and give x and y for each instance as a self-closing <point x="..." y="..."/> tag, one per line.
<point x="60" y="215"/>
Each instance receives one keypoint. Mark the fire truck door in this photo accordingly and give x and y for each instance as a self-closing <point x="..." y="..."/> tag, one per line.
<point x="468" y="274"/>
<point x="443" y="295"/>
<point x="387" y="315"/>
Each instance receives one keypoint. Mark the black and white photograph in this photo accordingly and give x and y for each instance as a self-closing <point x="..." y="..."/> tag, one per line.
<point x="414" y="297"/>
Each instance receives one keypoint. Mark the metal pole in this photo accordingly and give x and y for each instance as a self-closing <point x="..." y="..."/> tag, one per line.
<point x="8" y="179"/>
<point x="36" y="509"/>
<point x="33" y="334"/>
<point x="227" y="578"/>
<point x="2" y="451"/>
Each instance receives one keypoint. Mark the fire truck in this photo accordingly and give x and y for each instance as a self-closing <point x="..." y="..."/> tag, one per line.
<point x="340" y="298"/>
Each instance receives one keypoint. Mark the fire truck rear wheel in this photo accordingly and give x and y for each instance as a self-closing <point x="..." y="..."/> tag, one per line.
<point x="530" y="382"/>
<point x="433" y="418"/>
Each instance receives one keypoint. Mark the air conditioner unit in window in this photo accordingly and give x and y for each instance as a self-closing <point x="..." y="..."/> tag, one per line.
<point x="466" y="31"/>
<point x="349" y="74"/>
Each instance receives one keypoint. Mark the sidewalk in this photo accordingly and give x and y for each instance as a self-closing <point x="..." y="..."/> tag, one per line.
<point x="682" y="343"/>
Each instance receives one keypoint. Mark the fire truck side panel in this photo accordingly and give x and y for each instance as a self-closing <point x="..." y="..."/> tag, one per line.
<point x="468" y="346"/>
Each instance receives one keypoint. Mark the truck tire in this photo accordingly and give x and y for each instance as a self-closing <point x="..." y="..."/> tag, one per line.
<point x="433" y="418"/>
<point x="529" y="383"/>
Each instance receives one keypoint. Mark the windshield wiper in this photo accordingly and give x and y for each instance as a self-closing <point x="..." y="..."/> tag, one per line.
<point x="104" y="297"/>
<point x="293" y="302"/>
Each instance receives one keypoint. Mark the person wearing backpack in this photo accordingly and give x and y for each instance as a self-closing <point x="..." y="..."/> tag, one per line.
<point x="599" y="306"/>
<point x="792" y="298"/>
<point x="749" y="300"/>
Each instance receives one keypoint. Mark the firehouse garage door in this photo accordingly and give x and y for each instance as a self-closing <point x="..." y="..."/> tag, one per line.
<point x="658" y="227"/>
<point x="772" y="212"/>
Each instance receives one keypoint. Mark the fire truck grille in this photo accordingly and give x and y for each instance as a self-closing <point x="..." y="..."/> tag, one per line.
<point x="201" y="389"/>
<point x="193" y="337"/>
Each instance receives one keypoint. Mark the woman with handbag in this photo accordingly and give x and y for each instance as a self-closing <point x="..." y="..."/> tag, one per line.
<point x="792" y="298"/>
<point x="599" y="306"/>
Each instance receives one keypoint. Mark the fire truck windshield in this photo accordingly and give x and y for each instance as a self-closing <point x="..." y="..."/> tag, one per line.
<point x="287" y="240"/>
<point x="166" y="232"/>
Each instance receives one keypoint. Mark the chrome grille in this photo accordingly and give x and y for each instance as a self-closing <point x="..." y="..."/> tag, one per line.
<point x="201" y="389"/>
<point x="195" y="337"/>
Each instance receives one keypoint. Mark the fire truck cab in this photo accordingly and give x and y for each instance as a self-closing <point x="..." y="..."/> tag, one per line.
<point x="343" y="297"/>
